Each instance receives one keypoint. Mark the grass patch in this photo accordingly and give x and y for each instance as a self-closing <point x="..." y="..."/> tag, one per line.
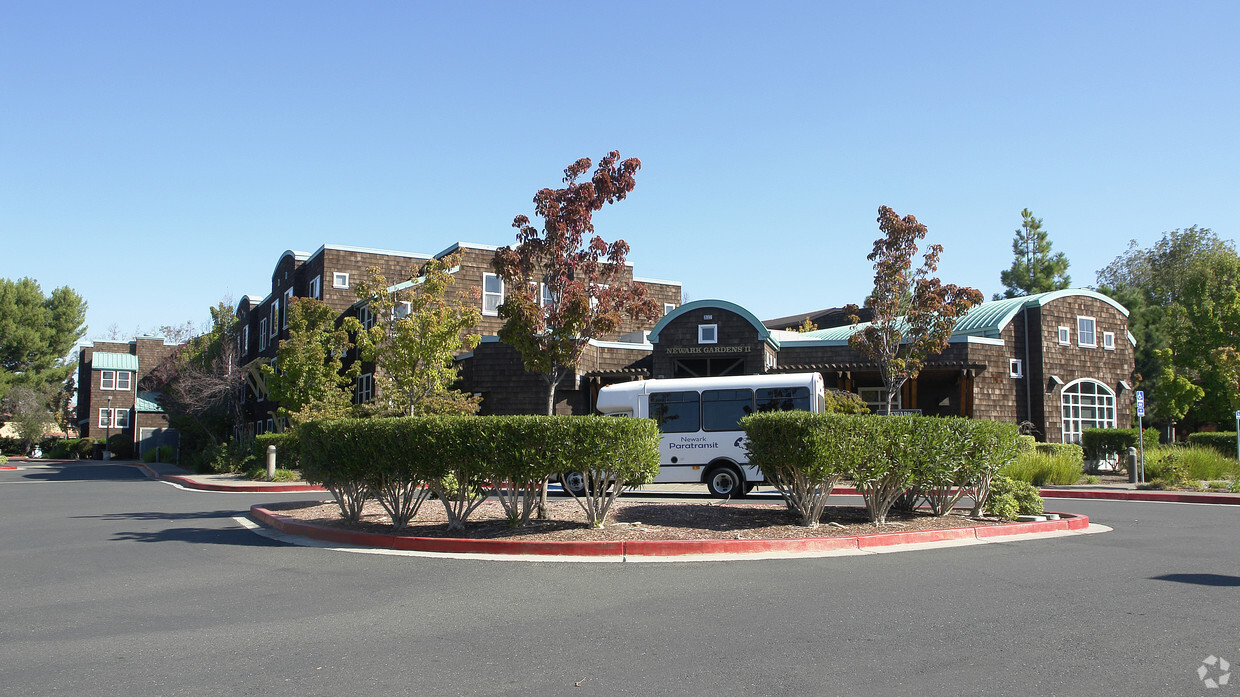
<point x="1040" y="468"/>
<point x="259" y="474"/>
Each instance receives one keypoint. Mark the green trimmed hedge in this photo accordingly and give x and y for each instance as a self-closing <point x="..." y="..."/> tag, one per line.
<point x="1222" y="441"/>
<point x="1068" y="450"/>
<point x="121" y="446"/>
<point x="288" y="449"/>
<point x="933" y="458"/>
<point x="460" y="458"/>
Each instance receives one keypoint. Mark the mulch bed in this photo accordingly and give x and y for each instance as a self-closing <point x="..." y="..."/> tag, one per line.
<point x="631" y="520"/>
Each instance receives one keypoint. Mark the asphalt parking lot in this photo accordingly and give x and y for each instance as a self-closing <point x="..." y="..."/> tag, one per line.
<point x="111" y="583"/>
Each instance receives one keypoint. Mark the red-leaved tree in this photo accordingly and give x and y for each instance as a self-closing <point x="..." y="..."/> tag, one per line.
<point x="560" y="291"/>
<point x="914" y="313"/>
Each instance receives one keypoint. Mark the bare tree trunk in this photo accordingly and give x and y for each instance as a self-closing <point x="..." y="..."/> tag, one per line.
<point x="552" y="380"/>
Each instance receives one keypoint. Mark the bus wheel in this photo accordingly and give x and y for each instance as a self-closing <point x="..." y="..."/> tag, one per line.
<point x="726" y="482"/>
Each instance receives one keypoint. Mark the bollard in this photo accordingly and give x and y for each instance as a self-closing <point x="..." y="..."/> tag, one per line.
<point x="271" y="462"/>
<point x="1132" y="465"/>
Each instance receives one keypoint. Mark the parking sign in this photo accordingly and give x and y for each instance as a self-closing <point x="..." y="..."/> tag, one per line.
<point x="1141" y="404"/>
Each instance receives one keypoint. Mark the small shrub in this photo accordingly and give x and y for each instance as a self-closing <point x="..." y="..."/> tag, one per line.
<point x="1026" y="442"/>
<point x="3" y="460"/>
<point x="1205" y="463"/>
<point x="121" y="446"/>
<point x="1092" y="479"/>
<point x="259" y="474"/>
<point x="1010" y="498"/>
<point x="11" y="446"/>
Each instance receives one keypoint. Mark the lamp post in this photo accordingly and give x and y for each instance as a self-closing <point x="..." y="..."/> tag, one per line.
<point x="107" y="452"/>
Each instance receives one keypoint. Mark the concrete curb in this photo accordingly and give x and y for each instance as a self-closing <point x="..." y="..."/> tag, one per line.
<point x="190" y="483"/>
<point x="1164" y="496"/>
<point x="658" y="548"/>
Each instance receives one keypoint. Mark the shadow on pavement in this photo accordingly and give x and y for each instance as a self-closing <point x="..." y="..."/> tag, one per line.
<point x="1200" y="579"/>
<point x="72" y="472"/>
<point x="160" y="515"/>
<point x="237" y="537"/>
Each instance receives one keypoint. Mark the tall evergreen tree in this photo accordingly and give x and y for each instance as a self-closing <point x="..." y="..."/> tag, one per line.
<point x="1034" y="268"/>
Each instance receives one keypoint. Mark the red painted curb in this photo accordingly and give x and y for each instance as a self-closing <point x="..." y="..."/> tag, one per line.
<point x="7" y="467"/>
<point x="652" y="548"/>
<point x="240" y="488"/>
<point x="1156" y="496"/>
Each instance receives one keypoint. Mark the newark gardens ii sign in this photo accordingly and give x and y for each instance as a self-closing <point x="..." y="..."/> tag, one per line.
<point x="705" y="350"/>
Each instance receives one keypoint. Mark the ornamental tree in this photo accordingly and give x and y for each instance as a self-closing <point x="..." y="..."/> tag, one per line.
<point x="415" y="338"/>
<point x="914" y="313"/>
<point x="560" y="291"/>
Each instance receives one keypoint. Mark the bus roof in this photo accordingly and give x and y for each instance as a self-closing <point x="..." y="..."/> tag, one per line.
<point x="621" y="396"/>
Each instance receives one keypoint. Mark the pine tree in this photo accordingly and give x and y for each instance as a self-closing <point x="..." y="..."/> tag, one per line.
<point x="1034" y="268"/>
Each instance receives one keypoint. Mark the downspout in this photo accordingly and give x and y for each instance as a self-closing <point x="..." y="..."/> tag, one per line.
<point x="1028" y="370"/>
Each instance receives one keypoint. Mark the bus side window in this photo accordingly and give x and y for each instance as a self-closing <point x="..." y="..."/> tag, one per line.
<point x="675" y="412"/>
<point x="782" y="399"/>
<point x="722" y="410"/>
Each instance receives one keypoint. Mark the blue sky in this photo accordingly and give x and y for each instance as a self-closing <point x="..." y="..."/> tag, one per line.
<point x="159" y="156"/>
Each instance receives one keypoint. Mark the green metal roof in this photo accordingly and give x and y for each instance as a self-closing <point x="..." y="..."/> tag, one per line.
<point x="147" y="401"/>
<point x="764" y="334"/>
<point x="102" y="360"/>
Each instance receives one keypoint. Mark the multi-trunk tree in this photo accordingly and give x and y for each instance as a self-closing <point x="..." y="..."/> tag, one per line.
<point x="914" y="312"/>
<point x="561" y="289"/>
<point x="415" y="336"/>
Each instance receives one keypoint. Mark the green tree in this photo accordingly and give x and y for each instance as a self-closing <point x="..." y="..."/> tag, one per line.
<point x="560" y="291"/>
<point x="1176" y="393"/>
<point x="309" y="381"/>
<point x="27" y="410"/>
<point x="37" y="332"/>
<point x="914" y="313"/>
<point x="1035" y="269"/>
<point x="414" y="341"/>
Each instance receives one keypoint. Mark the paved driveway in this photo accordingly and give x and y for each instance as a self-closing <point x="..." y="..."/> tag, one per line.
<point x="113" y="584"/>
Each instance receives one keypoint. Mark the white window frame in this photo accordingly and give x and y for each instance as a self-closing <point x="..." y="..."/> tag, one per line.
<point x="275" y="317"/>
<point x="708" y="329"/>
<point x="876" y="398"/>
<point x="1065" y="336"/>
<point x="365" y="390"/>
<point x="271" y="426"/>
<point x="1093" y="332"/>
<point x="105" y="417"/>
<point x="1081" y="411"/>
<point x="126" y="384"/>
<point x="262" y="334"/>
<point x="288" y="299"/>
<point x="107" y="379"/>
<point x="1016" y="368"/>
<point x="1108" y="341"/>
<point x="497" y="297"/>
<point x="667" y="308"/>
<point x="245" y="339"/>
<point x="365" y="316"/>
<point x="401" y="309"/>
<point x="316" y="288"/>
<point x="120" y="418"/>
<point x="340" y="279"/>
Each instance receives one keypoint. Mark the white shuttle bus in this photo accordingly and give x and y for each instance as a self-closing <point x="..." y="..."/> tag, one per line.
<point x="698" y="418"/>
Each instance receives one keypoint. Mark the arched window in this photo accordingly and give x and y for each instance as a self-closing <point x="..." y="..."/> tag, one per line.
<point x="1086" y="404"/>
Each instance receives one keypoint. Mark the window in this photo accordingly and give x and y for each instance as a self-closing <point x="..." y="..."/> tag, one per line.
<point x="1108" y="341"/>
<point x="675" y="412"/>
<point x="401" y="310"/>
<point x="708" y="333"/>
<point x="492" y="294"/>
<point x="123" y="379"/>
<point x="876" y="399"/>
<point x="275" y="317"/>
<point x="668" y="307"/>
<point x="245" y="340"/>
<point x="288" y="299"/>
<point x="546" y="297"/>
<point x="1085" y="332"/>
<point x="365" y="388"/>
<point x="366" y="317"/>
<point x="107" y="379"/>
<point x="1065" y="336"/>
<point x="722" y="410"/>
<point x="120" y="418"/>
<point x="340" y="280"/>
<point x="316" y="288"/>
<point x="1086" y="404"/>
<point x="782" y="399"/>
<point x="105" y="418"/>
<point x="262" y="334"/>
<point x="1016" y="368"/>
<point x="271" y="426"/>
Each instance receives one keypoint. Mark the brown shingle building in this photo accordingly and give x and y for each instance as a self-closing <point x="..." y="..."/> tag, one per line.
<point x="493" y="370"/>
<point x="108" y="398"/>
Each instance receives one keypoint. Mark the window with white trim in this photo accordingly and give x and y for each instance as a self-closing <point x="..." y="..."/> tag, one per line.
<point x="365" y="388"/>
<point x="245" y="340"/>
<point x="275" y="317"/>
<point x="668" y="307"/>
<point x="401" y="310"/>
<point x="262" y="334"/>
<point x="316" y="288"/>
<point x="1065" y="336"/>
<point x="271" y="426"/>
<point x="492" y="294"/>
<point x="1086" y="404"/>
<point x="1085" y="336"/>
<point x="107" y="379"/>
<point x="120" y="418"/>
<point x="124" y="380"/>
<point x="546" y="297"/>
<point x="366" y="317"/>
<point x="876" y="399"/>
<point x="105" y="418"/>
<point x="1108" y="341"/>
<point x="288" y="299"/>
<point x="1016" y="368"/>
<point x="340" y="280"/>
<point x="708" y="333"/>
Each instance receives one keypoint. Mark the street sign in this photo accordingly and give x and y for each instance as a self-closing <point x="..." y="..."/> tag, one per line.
<point x="1141" y="404"/>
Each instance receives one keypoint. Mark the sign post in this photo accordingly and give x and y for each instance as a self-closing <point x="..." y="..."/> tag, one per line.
<point x="1141" y="433"/>
<point x="1238" y="435"/>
